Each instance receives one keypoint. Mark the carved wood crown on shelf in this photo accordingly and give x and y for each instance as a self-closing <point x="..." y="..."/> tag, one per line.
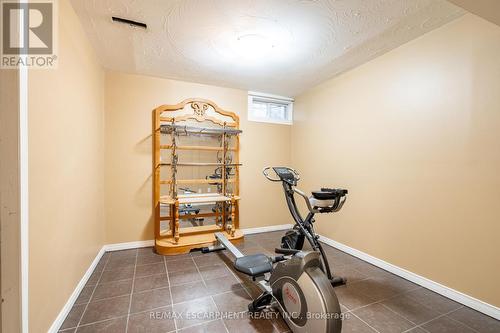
<point x="200" y="108"/>
<point x="199" y="111"/>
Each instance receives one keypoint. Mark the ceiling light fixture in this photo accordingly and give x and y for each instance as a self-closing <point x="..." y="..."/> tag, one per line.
<point x="253" y="42"/>
<point x="253" y="46"/>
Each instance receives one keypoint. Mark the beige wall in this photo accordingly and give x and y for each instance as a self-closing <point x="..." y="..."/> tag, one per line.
<point x="415" y="137"/>
<point x="66" y="171"/>
<point x="129" y="101"/>
<point x="487" y="9"/>
<point x="9" y="201"/>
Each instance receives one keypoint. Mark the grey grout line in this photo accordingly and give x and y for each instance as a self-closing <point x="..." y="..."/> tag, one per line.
<point x="113" y="297"/>
<point x="439" y="315"/>
<point x="407" y="319"/>
<point x="380" y="300"/>
<point x="428" y="321"/>
<point x="199" y="324"/>
<point x="169" y="290"/>
<point x="109" y="282"/>
<point x="151" y="263"/>
<point x="131" y="291"/>
<point x="421" y="328"/>
<point x="218" y="310"/>
<point x="370" y="326"/>
<point x="446" y="315"/>
<point x="92" y="294"/>
<point x="199" y="272"/>
<point x="211" y="296"/>
<point x="366" y="305"/>
<point x="457" y="321"/>
<point x="400" y="315"/>
<point x="101" y="321"/>
<point x="143" y="276"/>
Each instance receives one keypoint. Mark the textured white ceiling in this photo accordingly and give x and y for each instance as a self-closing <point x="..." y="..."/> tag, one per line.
<point x="307" y="41"/>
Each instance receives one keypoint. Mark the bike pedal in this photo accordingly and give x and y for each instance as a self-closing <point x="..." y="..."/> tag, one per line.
<point x="338" y="281"/>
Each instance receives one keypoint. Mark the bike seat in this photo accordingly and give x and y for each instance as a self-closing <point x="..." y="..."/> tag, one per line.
<point x="328" y="194"/>
<point x="254" y="265"/>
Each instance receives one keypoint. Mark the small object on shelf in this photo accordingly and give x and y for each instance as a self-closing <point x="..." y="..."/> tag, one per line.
<point x="195" y="119"/>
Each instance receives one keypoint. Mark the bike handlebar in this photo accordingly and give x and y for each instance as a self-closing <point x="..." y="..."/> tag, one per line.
<point x="265" y="172"/>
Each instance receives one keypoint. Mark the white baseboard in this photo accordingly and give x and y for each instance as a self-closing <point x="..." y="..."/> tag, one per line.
<point x="72" y="299"/>
<point x="450" y="293"/>
<point x="128" y="245"/>
<point x="279" y="227"/>
<point x="151" y="242"/>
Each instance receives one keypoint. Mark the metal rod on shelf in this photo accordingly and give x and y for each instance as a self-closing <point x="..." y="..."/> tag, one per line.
<point x="200" y="164"/>
<point x="195" y="148"/>
<point x="224" y="154"/>
<point x="174" y="209"/>
<point x="173" y="163"/>
<point x="197" y="181"/>
<point x="223" y="176"/>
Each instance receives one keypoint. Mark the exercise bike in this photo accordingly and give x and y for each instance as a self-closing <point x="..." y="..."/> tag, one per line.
<point x="297" y="284"/>
<point x="324" y="201"/>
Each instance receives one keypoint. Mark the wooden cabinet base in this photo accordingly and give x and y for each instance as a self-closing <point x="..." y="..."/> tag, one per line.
<point x="167" y="245"/>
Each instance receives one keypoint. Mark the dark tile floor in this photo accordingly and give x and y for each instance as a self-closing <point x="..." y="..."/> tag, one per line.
<point x="139" y="291"/>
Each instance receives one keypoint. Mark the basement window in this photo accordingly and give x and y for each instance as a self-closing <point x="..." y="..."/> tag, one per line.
<point x="268" y="108"/>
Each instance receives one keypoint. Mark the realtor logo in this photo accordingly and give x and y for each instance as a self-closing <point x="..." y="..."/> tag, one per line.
<point x="28" y="34"/>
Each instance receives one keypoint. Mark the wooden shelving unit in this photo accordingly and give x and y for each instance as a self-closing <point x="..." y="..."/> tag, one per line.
<point x="194" y="118"/>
